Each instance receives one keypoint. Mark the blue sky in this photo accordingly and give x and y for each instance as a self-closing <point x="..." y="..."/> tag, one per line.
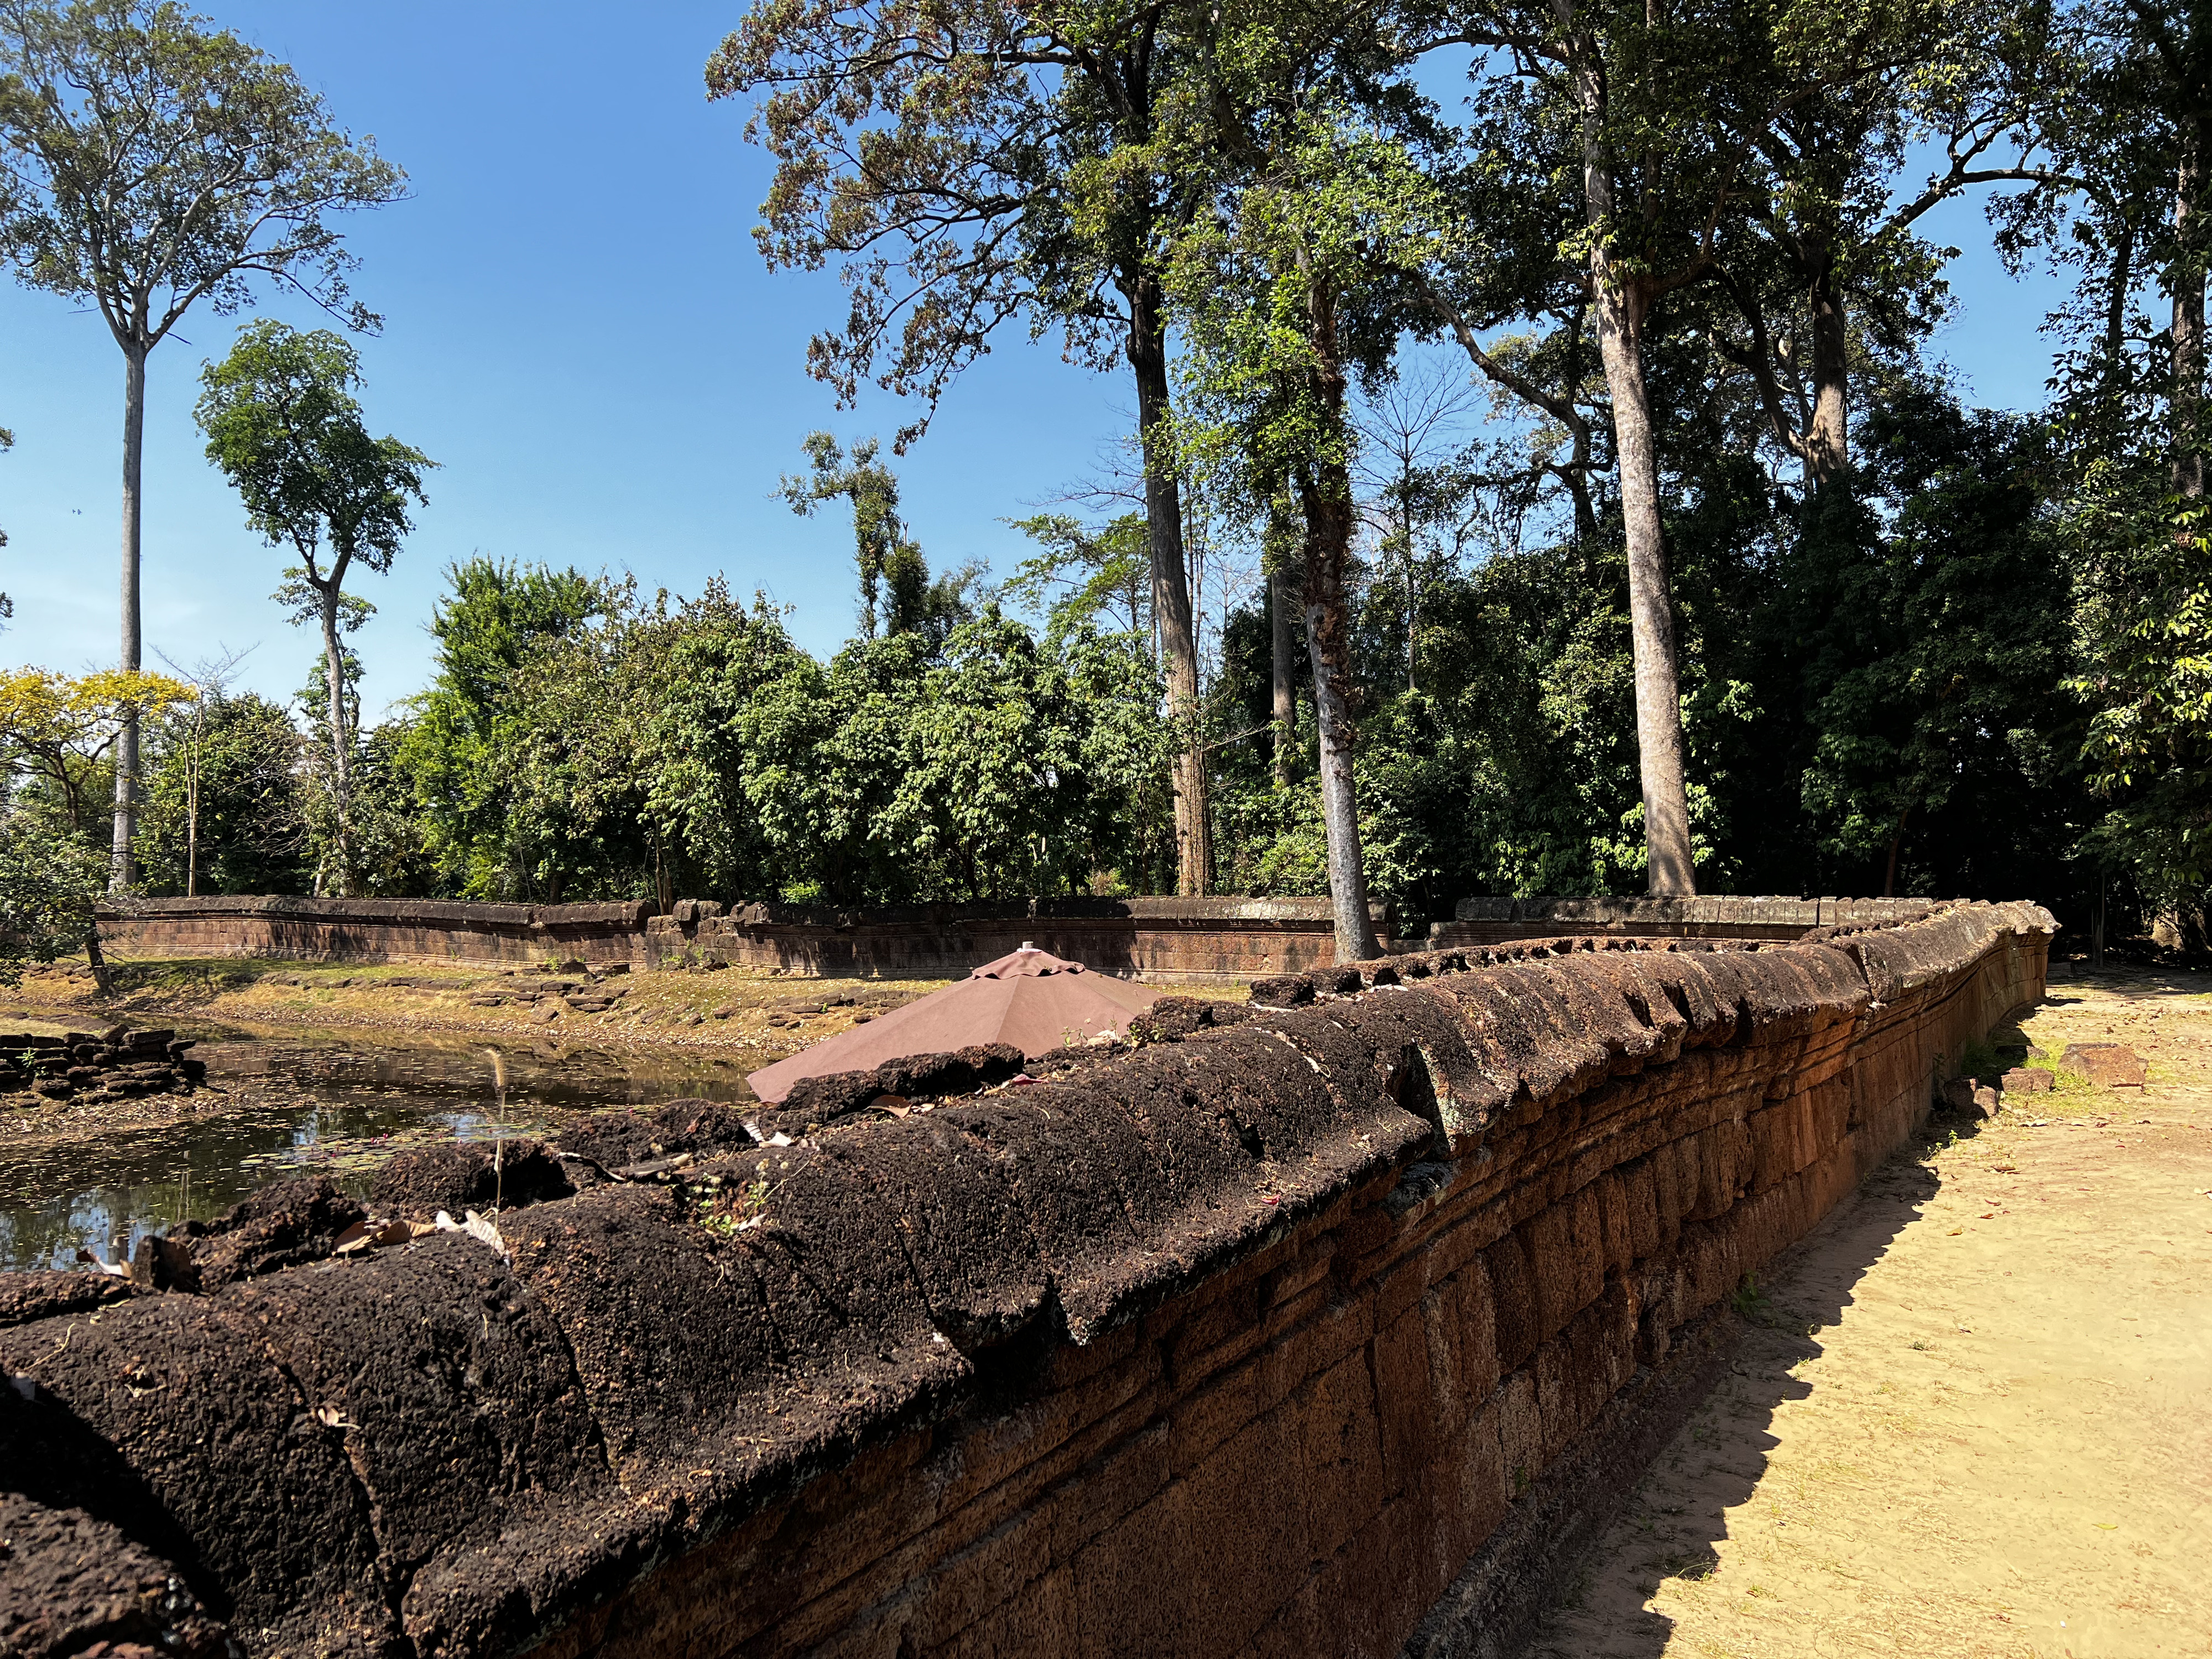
<point x="579" y="329"/>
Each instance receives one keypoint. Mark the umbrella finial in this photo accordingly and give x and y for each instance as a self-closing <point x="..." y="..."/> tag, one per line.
<point x="1027" y="945"/>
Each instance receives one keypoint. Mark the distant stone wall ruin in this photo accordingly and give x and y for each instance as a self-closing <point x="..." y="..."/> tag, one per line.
<point x="1156" y="938"/>
<point x="1321" y="1333"/>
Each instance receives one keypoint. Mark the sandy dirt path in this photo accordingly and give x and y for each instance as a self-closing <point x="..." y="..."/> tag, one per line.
<point x="1973" y="1414"/>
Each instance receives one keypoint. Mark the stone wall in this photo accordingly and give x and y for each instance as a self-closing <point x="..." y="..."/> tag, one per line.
<point x="372" y="930"/>
<point x="1161" y="939"/>
<point x="1319" y="1332"/>
<point x="1730" y="916"/>
<point x="1154" y="939"/>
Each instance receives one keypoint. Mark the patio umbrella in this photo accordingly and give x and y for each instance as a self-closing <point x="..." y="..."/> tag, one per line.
<point x="1030" y="997"/>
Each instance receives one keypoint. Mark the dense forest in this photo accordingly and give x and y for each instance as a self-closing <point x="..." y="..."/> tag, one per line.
<point x="1545" y="479"/>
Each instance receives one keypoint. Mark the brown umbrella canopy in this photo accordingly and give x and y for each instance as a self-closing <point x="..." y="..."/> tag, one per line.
<point x="1030" y="997"/>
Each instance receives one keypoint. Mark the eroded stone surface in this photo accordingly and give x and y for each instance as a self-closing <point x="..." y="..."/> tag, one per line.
<point x="2111" y="1065"/>
<point x="1016" y="1371"/>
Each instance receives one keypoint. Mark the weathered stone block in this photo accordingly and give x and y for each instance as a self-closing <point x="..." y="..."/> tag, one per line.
<point x="1518" y="1322"/>
<point x="1520" y="1430"/>
<point x="1249" y="1542"/>
<point x="1459" y="1321"/>
<point x="2110" y="1065"/>
<point x="1339" y="1452"/>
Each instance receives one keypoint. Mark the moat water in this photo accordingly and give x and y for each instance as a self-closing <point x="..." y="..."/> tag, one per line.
<point x="339" y="1104"/>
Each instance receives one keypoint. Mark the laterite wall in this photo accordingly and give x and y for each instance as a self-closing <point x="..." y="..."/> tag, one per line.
<point x="1161" y="939"/>
<point x="372" y="930"/>
<point x="1321" y="1333"/>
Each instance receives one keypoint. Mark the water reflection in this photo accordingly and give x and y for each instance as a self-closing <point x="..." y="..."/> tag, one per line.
<point x="334" y="1103"/>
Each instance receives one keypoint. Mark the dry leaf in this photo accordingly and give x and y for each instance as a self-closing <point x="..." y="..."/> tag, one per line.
<point x="481" y="1228"/>
<point x="353" y="1239"/>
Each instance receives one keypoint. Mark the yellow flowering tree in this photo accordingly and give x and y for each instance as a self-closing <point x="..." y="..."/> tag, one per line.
<point x="59" y="729"/>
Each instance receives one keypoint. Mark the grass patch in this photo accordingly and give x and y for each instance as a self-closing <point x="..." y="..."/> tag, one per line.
<point x="1752" y="1304"/>
<point x="749" y="1006"/>
<point x="1980" y="1062"/>
<point x="2072" y="1094"/>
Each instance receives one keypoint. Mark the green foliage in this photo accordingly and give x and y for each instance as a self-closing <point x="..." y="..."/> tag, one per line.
<point x="57" y="730"/>
<point x="962" y="166"/>
<point x="580" y="743"/>
<point x="1926" y="603"/>
<point x="225" y="168"/>
<point x="50" y="879"/>
<point x="1000" y="767"/>
<point x="284" y="425"/>
<point x="462" y="729"/>
<point x="895" y="581"/>
<point x="2146" y="630"/>
<point x="245" y="754"/>
<point x="1088" y="574"/>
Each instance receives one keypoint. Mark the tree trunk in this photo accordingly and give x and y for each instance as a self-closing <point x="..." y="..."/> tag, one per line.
<point x="2115" y="309"/>
<point x="2188" y="331"/>
<point x="1281" y="606"/>
<point x="1171" y="607"/>
<point x="1326" y="496"/>
<point x="1827" y="441"/>
<point x="120" y="872"/>
<point x="1620" y="301"/>
<point x="1896" y="845"/>
<point x="102" y="975"/>
<point x="192" y="824"/>
<point x="341" y="749"/>
<point x="1412" y="594"/>
<point x="1579" y="484"/>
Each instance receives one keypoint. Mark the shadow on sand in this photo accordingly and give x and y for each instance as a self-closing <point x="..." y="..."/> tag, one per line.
<point x="1679" y="1511"/>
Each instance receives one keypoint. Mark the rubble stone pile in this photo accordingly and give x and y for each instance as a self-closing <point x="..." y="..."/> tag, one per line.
<point x="86" y="1065"/>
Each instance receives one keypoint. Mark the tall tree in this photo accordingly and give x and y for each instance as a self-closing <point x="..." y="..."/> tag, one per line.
<point x="1283" y="623"/>
<point x="1411" y="468"/>
<point x="224" y="800"/>
<point x="969" y="164"/>
<point x="2126" y="214"/>
<point x="59" y="730"/>
<point x="284" y="425"/>
<point x="1313" y="150"/>
<point x="895" y="589"/>
<point x="1505" y="277"/>
<point x="7" y="605"/>
<point x="149" y="162"/>
<point x="2125" y="209"/>
<point x="1663" y="114"/>
<point x="1654" y="130"/>
<point x="1824" y="269"/>
<point x="210" y="678"/>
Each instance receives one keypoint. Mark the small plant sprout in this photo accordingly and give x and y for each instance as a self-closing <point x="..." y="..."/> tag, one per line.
<point x="498" y="1128"/>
